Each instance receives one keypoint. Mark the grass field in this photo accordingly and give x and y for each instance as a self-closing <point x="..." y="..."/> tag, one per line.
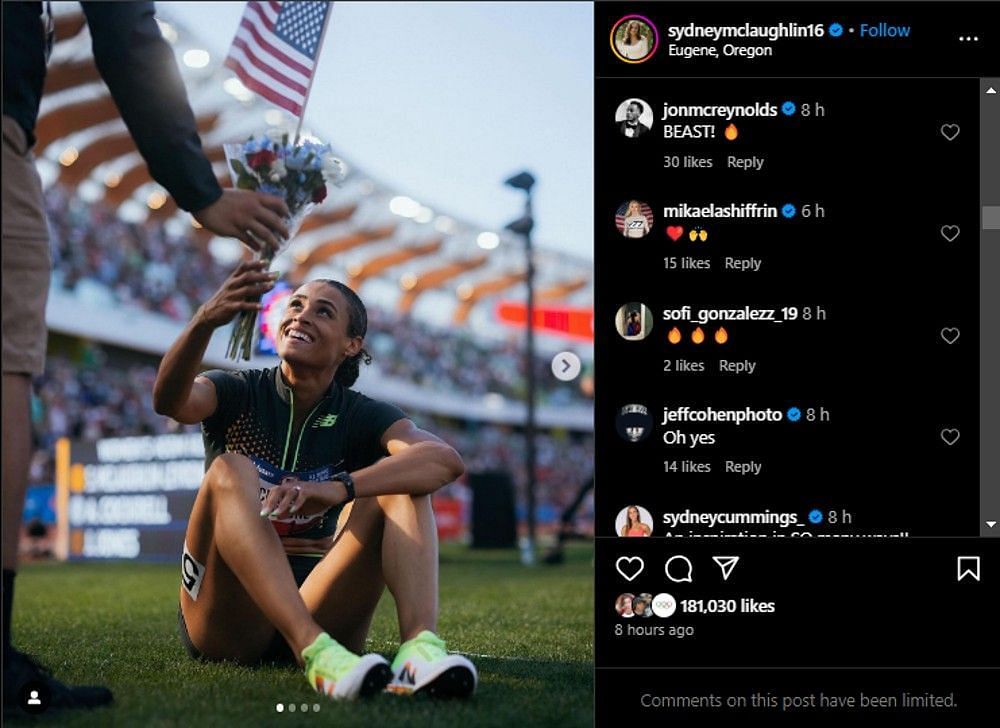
<point x="529" y="631"/>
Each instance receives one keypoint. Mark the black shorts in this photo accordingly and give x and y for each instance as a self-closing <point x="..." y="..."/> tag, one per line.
<point x="278" y="651"/>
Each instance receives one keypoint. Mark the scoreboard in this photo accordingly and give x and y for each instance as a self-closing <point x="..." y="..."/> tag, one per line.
<point x="126" y="497"/>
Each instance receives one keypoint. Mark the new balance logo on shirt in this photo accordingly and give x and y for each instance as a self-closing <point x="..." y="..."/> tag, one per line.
<point x="325" y="421"/>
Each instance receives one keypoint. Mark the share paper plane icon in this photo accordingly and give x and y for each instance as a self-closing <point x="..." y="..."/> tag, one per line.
<point x="726" y="564"/>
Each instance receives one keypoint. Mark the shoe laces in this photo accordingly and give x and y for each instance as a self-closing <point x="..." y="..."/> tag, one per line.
<point x="427" y="644"/>
<point x="332" y="658"/>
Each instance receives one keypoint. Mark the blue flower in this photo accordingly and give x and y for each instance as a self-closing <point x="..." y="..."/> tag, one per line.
<point x="253" y="146"/>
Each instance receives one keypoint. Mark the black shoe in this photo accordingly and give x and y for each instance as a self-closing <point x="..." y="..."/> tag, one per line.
<point x="42" y="691"/>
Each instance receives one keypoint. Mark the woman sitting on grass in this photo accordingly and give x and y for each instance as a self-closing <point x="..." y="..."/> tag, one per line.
<point x="265" y="574"/>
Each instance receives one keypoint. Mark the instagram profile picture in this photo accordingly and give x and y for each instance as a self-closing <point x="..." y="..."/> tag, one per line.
<point x="623" y="605"/>
<point x="664" y="605"/>
<point x="633" y="117"/>
<point x="642" y="605"/>
<point x="634" y="521"/>
<point x="634" y="39"/>
<point x="633" y="422"/>
<point x="634" y="219"/>
<point x="634" y="321"/>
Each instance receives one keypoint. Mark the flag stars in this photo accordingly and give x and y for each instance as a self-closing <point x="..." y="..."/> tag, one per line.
<point x="300" y="24"/>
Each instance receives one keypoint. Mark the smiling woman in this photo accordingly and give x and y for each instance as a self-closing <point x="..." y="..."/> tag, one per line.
<point x="312" y="492"/>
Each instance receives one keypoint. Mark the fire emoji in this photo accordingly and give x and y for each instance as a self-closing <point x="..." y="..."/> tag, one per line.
<point x="674" y="337"/>
<point x="732" y="132"/>
<point x="698" y="336"/>
<point x="721" y="336"/>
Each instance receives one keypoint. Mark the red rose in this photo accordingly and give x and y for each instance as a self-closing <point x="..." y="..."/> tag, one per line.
<point x="319" y="194"/>
<point x="262" y="158"/>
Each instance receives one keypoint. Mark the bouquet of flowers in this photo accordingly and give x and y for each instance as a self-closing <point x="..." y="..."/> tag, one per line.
<point x="297" y="172"/>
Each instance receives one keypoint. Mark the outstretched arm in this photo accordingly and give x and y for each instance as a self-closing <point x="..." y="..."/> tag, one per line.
<point x="139" y="68"/>
<point x="177" y="393"/>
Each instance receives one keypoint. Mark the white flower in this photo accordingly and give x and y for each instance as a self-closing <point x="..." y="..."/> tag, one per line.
<point x="278" y="170"/>
<point x="334" y="169"/>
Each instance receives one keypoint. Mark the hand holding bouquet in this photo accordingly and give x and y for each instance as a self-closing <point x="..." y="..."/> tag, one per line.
<point x="298" y="173"/>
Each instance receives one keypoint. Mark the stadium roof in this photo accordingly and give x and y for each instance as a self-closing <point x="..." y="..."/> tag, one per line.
<point x="403" y="255"/>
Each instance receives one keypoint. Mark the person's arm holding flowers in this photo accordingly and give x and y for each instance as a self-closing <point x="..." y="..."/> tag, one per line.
<point x="296" y="173"/>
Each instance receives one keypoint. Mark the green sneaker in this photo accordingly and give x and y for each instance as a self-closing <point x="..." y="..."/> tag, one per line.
<point x="336" y="672"/>
<point x="423" y="665"/>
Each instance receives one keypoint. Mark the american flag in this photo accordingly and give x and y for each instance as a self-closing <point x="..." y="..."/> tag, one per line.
<point x="276" y="50"/>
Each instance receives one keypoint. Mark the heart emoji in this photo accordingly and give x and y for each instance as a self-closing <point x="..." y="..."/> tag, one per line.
<point x="950" y="232"/>
<point x="675" y="232"/>
<point x="950" y="437"/>
<point x="950" y="131"/>
<point x="629" y="566"/>
<point x="950" y="335"/>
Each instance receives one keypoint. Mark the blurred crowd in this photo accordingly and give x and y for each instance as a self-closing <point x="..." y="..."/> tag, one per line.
<point x="140" y="265"/>
<point x="144" y="266"/>
<point x="91" y="396"/>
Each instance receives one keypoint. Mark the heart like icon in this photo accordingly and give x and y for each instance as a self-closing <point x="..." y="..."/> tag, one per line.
<point x="675" y="232"/>
<point x="950" y="436"/>
<point x="950" y="131"/>
<point x="950" y="335"/>
<point x="950" y="232"/>
<point x="630" y="566"/>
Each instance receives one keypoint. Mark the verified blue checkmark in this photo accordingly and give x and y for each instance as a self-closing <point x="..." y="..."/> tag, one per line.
<point x="788" y="210"/>
<point x="815" y="516"/>
<point x="788" y="108"/>
<point x="794" y="414"/>
<point x="835" y="30"/>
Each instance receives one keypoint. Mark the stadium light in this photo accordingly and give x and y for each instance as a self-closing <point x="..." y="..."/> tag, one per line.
<point x="487" y="240"/>
<point x="156" y="199"/>
<point x="523" y="226"/>
<point x="521" y="181"/>
<point x="235" y="88"/>
<point x="404" y="206"/>
<point x="68" y="156"/>
<point x="196" y="58"/>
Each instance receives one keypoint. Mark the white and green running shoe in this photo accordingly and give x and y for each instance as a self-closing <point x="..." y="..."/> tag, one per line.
<point x="424" y="666"/>
<point x="336" y="672"/>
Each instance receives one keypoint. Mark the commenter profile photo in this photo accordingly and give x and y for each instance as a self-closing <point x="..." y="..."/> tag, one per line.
<point x="634" y="521"/>
<point x="634" y="321"/>
<point x="634" y="219"/>
<point x="633" y="117"/>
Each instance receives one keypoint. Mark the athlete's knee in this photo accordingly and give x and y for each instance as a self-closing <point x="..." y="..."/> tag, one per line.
<point x="402" y="500"/>
<point x="405" y="507"/>
<point x="232" y="471"/>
